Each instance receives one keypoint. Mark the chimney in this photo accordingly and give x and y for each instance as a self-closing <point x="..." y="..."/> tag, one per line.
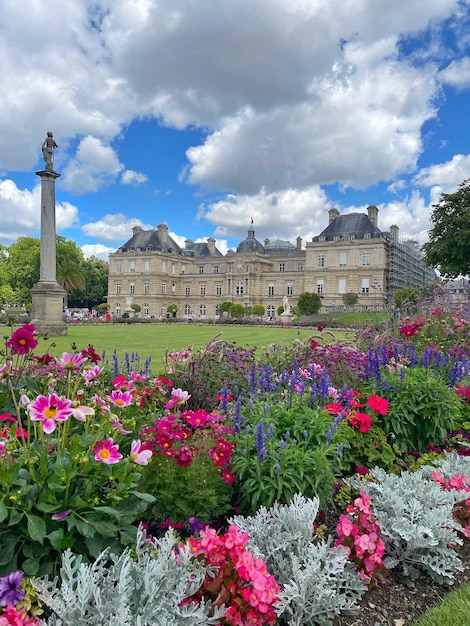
<point x="333" y="214"/>
<point x="394" y="230"/>
<point x="373" y="213"/>
<point x="135" y="230"/>
<point x="299" y="243"/>
<point x="266" y="242"/>
<point x="188" y="244"/>
<point x="211" y="245"/>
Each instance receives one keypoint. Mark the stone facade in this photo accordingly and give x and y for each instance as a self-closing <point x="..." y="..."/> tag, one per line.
<point x="350" y="255"/>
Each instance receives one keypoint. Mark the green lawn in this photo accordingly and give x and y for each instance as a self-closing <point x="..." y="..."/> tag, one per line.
<point x="153" y="340"/>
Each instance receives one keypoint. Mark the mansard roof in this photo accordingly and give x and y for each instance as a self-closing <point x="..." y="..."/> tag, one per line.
<point x="279" y="245"/>
<point x="350" y="226"/>
<point x="200" y="250"/>
<point x="150" y="240"/>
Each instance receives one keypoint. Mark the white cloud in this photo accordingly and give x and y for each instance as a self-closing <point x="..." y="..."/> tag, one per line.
<point x="286" y="214"/>
<point x="21" y="212"/>
<point x="447" y="175"/>
<point x="457" y="73"/>
<point x="117" y="227"/>
<point x="95" y="166"/>
<point x="97" y="250"/>
<point x="129" y="177"/>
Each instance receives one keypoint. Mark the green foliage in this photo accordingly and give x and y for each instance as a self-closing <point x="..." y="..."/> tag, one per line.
<point x="136" y="307"/>
<point x="406" y="298"/>
<point x="95" y="272"/>
<point x="225" y="307"/>
<point x="316" y="579"/>
<point x="422" y="408"/>
<point x="349" y="299"/>
<point x="448" y="247"/>
<point x="237" y="310"/>
<point x="366" y="449"/>
<point x="281" y="451"/>
<point x="258" y="309"/>
<point x="415" y="518"/>
<point x="22" y="266"/>
<point x="309" y="303"/>
<point x="147" y="589"/>
<point x="172" y="308"/>
<point x="184" y="492"/>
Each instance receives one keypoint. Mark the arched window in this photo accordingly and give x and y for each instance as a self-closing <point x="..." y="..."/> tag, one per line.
<point x="146" y="309"/>
<point x="270" y="310"/>
<point x="118" y="309"/>
<point x="187" y="309"/>
<point x="202" y="310"/>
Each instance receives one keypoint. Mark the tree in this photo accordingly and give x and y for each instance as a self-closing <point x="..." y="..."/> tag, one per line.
<point x="309" y="303"/>
<point x="225" y="307"/>
<point x="69" y="271"/>
<point x="22" y="267"/>
<point x="237" y="310"/>
<point x="96" y="273"/>
<point x="448" y="248"/>
<point x="349" y="299"/>
<point x="258" y="309"/>
<point x="406" y="297"/>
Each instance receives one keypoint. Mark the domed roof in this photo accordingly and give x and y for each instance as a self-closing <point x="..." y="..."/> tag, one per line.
<point x="250" y="244"/>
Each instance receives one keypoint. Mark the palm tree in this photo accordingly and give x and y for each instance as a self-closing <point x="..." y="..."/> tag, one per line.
<point x="70" y="276"/>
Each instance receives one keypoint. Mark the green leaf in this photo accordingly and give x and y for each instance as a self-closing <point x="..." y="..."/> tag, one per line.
<point x="15" y="517"/>
<point x="3" y="511"/>
<point x="31" y="567"/>
<point x="36" y="528"/>
<point x="7" y="550"/>
<point x="146" y="497"/>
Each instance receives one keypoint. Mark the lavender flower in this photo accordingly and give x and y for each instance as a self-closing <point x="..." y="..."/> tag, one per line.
<point x="195" y="526"/>
<point x="10" y="592"/>
<point x="260" y="439"/>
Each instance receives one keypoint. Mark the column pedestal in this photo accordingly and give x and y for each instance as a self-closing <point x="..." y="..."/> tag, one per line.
<point x="48" y="306"/>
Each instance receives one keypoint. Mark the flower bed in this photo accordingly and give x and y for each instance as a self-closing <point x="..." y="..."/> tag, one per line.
<point x="204" y="488"/>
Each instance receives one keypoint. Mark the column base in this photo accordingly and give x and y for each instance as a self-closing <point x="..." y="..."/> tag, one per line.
<point x="48" y="306"/>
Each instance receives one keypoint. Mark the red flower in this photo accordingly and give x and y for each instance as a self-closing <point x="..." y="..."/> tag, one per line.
<point x="228" y="476"/>
<point x="321" y="326"/>
<point x="91" y="354"/>
<point x="378" y="404"/>
<point x="409" y="330"/>
<point x="361" y="421"/>
<point x="22" y="341"/>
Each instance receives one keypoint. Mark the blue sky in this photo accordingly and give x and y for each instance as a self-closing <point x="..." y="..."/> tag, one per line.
<point x="203" y="115"/>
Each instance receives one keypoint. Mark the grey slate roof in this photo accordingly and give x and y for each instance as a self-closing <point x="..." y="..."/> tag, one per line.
<point x="349" y="226"/>
<point x="250" y="244"/>
<point x="200" y="250"/>
<point x="150" y="240"/>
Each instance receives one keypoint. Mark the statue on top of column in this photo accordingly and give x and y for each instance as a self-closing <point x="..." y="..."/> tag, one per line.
<point x="48" y="148"/>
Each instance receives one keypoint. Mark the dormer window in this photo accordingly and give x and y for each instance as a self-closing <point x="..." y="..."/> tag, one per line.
<point x="322" y="238"/>
<point x="366" y="235"/>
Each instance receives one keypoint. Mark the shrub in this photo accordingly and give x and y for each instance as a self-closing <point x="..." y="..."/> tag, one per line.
<point x="316" y="579"/>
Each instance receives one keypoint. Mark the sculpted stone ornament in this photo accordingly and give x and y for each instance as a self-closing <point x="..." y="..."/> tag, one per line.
<point x="48" y="148"/>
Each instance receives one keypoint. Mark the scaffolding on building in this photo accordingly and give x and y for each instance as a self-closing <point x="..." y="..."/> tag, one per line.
<point x="406" y="266"/>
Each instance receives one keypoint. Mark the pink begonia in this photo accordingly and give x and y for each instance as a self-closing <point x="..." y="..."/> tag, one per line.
<point x="120" y="398"/>
<point x="107" y="452"/>
<point x="49" y="410"/>
<point x="346" y="526"/>
<point x="139" y="456"/>
<point x="179" y="394"/>
<point x="71" y="361"/>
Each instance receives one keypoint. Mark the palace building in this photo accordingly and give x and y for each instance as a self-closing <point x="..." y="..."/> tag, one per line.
<point x="351" y="255"/>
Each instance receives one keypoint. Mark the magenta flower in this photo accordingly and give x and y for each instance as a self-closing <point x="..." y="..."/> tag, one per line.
<point x="22" y="340"/>
<point x="120" y="398"/>
<point x="10" y="592"/>
<point x="107" y="452"/>
<point x="72" y="361"/>
<point x="49" y="410"/>
<point x="59" y="516"/>
<point x="139" y="456"/>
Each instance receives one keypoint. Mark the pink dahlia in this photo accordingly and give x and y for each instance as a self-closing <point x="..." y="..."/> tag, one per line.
<point x="22" y="340"/>
<point x="107" y="452"/>
<point x="49" y="410"/>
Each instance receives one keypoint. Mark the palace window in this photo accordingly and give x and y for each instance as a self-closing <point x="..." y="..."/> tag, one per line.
<point x="300" y="266"/>
<point x="118" y="289"/>
<point x="163" y="288"/>
<point x="132" y="267"/>
<point x="365" y="285"/>
<point x="282" y="267"/>
<point x="342" y="259"/>
<point x="202" y="310"/>
<point x="201" y="269"/>
<point x="366" y="258"/>
<point x="187" y="290"/>
<point x="290" y="289"/>
<point x="118" y="309"/>
<point x="216" y="269"/>
<point x="218" y="289"/>
<point x="320" y="284"/>
<point x="146" y="309"/>
<point x="132" y="288"/>
<point x="271" y="289"/>
<point x="202" y="290"/>
<point x="118" y="268"/>
<point x="321" y="260"/>
<point x="239" y="288"/>
<point x="146" y="266"/>
<point x="146" y="288"/>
